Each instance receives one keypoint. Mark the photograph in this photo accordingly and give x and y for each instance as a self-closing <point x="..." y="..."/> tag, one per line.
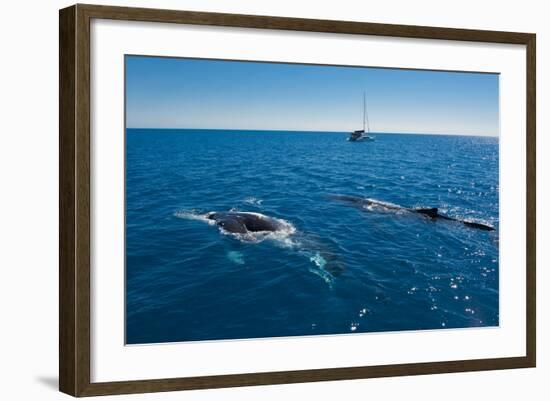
<point x="268" y="199"/>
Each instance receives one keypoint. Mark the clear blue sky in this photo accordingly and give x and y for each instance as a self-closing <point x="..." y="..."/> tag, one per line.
<point x="193" y="93"/>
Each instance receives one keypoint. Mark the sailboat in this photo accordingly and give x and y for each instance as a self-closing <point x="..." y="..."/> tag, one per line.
<point x="362" y="135"/>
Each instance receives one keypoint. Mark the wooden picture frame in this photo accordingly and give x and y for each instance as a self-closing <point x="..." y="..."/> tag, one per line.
<point x="74" y="199"/>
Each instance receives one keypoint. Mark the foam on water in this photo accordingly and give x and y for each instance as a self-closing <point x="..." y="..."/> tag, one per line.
<point x="318" y="260"/>
<point x="253" y="201"/>
<point x="325" y="276"/>
<point x="236" y="257"/>
<point x="193" y="215"/>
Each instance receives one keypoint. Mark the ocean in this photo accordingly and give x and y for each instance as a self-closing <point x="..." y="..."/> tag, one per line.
<point x="336" y="267"/>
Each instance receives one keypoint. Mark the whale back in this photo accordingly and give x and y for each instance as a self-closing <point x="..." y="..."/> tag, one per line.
<point x="348" y="198"/>
<point x="229" y="223"/>
<point x="479" y="226"/>
<point x="241" y="223"/>
<point x="256" y="223"/>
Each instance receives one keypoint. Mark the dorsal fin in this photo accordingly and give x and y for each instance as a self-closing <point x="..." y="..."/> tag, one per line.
<point x="431" y="212"/>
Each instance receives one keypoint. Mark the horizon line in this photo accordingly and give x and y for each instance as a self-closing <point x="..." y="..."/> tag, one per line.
<point x="314" y="131"/>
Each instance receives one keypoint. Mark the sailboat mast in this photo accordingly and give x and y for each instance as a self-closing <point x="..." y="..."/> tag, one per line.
<point x="364" y="110"/>
<point x="365" y="113"/>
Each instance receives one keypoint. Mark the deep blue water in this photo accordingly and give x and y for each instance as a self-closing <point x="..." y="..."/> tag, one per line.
<point x="344" y="269"/>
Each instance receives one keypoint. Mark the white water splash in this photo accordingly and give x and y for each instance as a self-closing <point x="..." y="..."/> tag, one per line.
<point x="378" y="205"/>
<point x="253" y="201"/>
<point x="193" y="215"/>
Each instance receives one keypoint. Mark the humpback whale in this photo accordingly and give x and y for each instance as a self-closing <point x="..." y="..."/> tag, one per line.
<point x="246" y="222"/>
<point x="432" y="212"/>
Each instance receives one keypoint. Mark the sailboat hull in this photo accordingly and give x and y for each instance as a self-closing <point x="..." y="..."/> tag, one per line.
<point x="360" y="136"/>
<point x="365" y="139"/>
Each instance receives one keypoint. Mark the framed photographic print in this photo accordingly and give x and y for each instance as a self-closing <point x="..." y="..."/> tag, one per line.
<point x="251" y="200"/>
